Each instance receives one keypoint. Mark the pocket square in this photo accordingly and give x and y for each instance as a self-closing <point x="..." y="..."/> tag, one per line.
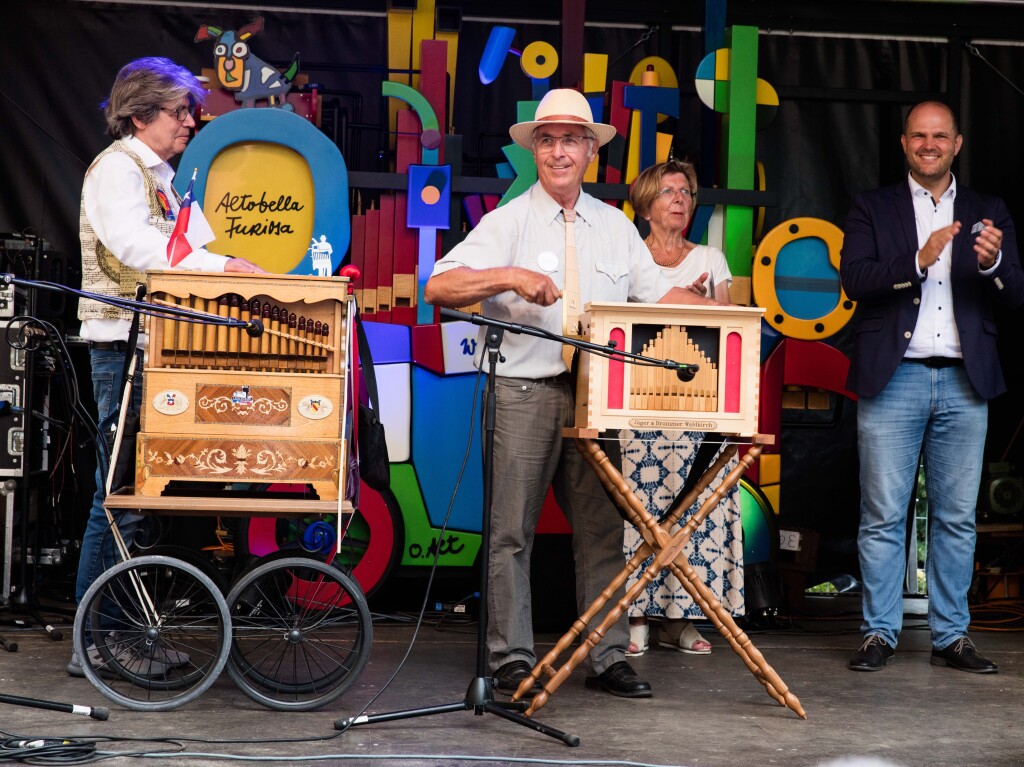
<point x="977" y="228"/>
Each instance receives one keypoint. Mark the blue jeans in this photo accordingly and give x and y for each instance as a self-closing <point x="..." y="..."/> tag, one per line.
<point x="530" y="455"/>
<point x="936" y="410"/>
<point x="98" y="550"/>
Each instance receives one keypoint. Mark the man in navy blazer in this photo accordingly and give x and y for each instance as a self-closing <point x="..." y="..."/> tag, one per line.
<point x="928" y="262"/>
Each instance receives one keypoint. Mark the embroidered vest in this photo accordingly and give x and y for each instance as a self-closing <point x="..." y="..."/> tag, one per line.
<point x="101" y="271"/>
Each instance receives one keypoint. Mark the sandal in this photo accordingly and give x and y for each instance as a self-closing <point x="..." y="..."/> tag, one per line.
<point x="680" y="635"/>
<point x="639" y="639"/>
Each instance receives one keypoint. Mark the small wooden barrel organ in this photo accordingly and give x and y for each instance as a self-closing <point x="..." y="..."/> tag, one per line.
<point x="723" y="341"/>
<point x="221" y="406"/>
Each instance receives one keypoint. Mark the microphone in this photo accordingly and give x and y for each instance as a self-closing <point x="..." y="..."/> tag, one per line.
<point x="685" y="372"/>
<point x="254" y="328"/>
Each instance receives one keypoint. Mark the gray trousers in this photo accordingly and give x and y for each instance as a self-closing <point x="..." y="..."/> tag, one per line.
<point x="529" y="456"/>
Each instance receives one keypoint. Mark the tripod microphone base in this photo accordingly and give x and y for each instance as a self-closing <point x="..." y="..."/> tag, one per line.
<point x="480" y="700"/>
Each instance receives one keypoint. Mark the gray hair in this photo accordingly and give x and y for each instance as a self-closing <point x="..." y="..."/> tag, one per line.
<point x="141" y="88"/>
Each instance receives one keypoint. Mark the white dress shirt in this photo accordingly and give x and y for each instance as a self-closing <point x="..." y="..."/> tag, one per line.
<point x="935" y="334"/>
<point x="529" y="232"/>
<point x="114" y="196"/>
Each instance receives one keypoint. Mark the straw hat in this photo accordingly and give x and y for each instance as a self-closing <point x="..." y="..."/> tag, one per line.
<point x="562" y="105"/>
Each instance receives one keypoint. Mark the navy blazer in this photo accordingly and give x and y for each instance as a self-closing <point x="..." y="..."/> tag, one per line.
<point x="878" y="268"/>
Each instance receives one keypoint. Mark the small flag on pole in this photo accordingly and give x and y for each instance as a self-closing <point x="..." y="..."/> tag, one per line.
<point x="191" y="231"/>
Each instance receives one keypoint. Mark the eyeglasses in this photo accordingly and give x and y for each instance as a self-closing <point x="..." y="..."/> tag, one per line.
<point x="569" y="143"/>
<point x="181" y="112"/>
<point x="670" y="193"/>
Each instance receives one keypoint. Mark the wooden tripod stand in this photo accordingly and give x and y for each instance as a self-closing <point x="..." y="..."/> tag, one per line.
<point x="668" y="553"/>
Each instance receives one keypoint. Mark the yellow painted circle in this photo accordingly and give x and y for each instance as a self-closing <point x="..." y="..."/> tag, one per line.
<point x="539" y="60"/>
<point x="763" y="279"/>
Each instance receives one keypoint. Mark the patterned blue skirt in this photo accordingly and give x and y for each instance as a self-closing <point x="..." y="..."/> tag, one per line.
<point x="655" y="465"/>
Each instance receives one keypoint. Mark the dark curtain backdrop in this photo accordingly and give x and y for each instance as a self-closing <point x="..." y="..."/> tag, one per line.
<point x="837" y="132"/>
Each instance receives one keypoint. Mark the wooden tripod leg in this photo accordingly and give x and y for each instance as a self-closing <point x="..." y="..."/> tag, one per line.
<point x="737" y="638"/>
<point x="709" y="604"/>
<point x="638" y="515"/>
<point x="546" y="666"/>
<point x="613" y="483"/>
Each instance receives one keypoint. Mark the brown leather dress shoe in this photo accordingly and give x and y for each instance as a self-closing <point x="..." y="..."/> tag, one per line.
<point x="620" y="679"/>
<point x="963" y="655"/>
<point x="874" y="655"/>
<point x="508" y="678"/>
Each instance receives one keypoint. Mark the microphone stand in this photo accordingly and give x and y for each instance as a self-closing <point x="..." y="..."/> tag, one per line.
<point x="480" y="695"/>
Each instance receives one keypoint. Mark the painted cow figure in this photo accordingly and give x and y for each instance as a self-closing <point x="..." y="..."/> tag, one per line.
<point x="247" y="76"/>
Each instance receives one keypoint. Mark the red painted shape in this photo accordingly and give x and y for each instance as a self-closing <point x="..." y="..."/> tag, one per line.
<point x="370" y="263"/>
<point x="618" y="116"/>
<point x="372" y="566"/>
<point x="798" y="363"/>
<point x="573" y="14"/>
<point x="385" y="253"/>
<point x="733" y="372"/>
<point x="403" y="309"/>
<point x="407" y="145"/>
<point x="617" y="372"/>
<point x="434" y="83"/>
<point x="552" y="520"/>
<point x="427" y="351"/>
<point x="358" y="255"/>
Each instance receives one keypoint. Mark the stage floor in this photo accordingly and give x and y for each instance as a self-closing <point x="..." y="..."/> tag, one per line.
<point x="707" y="711"/>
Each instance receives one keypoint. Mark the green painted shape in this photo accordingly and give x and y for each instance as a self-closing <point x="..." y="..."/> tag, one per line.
<point x="458" y="548"/>
<point x="525" y="169"/>
<point x="739" y="125"/>
<point x="422" y="108"/>
<point x="520" y="159"/>
<point x="721" y="96"/>
<point x="738" y="222"/>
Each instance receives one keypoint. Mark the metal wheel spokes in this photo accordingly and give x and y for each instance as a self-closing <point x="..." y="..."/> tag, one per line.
<point x="301" y="633"/>
<point x="152" y="633"/>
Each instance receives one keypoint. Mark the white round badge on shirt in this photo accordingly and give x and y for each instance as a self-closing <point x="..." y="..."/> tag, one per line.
<point x="547" y="261"/>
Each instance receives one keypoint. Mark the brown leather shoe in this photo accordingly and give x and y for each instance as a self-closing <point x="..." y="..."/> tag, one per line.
<point x="963" y="655"/>
<point x="874" y="655"/>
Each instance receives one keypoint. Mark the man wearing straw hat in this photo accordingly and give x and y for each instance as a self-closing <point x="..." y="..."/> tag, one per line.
<point x="514" y="263"/>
